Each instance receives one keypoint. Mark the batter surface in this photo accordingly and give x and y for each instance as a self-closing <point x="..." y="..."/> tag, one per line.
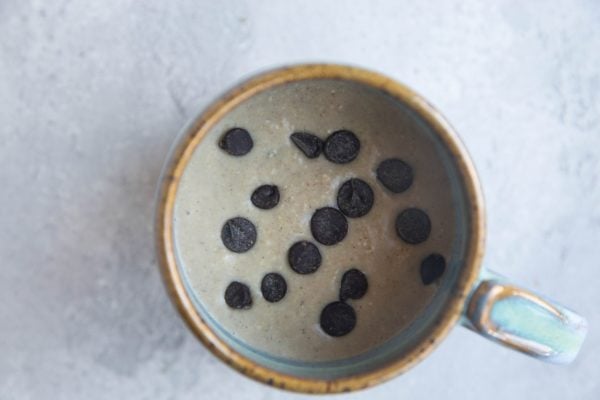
<point x="217" y="186"/>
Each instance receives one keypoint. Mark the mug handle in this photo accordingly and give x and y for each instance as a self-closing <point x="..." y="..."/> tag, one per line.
<point x="524" y="321"/>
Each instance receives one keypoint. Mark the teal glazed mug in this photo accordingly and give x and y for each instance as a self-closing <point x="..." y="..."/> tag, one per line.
<point x="477" y="298"/>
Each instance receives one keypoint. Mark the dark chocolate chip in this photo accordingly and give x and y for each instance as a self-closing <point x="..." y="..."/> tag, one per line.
<point x="328" y="226"/>
<point x="355" y="198"/>
<point x="354" y="285"/>
<point x="432" y="268"/>
<point x="238" y="234"/>
<point x="265" y="196"/>
<point x="337" y="319"/>
<point x="308" y="143"/>
<point x="413" y="226"/>
<point x="237" y="295"/>
<point x="236" y="142"/>
<point x="304" y="257"/>
<point x="341" y="147"/>
<point x="273" y="287"/>
<point x="395" y="175"/>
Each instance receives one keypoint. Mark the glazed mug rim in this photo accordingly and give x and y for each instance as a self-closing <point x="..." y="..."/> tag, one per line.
<point x="191" y="137"/>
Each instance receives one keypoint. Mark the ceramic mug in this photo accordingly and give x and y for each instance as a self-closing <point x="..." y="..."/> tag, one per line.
<point x="474" y="297"/>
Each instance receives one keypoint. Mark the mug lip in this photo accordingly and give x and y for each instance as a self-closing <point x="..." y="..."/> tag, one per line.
<point x="167" y="191"/>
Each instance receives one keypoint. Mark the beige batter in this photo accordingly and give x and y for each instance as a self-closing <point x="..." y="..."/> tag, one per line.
<point x="217" y="186"/>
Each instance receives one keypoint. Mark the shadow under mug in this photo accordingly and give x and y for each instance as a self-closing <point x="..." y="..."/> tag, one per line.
<point x="478" y="299"/>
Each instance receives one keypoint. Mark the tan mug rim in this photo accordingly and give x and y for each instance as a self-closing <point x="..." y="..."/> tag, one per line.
<point x="175" y="167"/>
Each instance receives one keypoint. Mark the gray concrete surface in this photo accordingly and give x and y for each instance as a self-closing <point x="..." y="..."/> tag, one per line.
<point x="93" y="93"/>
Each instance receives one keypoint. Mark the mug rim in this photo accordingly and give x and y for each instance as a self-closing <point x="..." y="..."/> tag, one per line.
<point x="184" y="148"/>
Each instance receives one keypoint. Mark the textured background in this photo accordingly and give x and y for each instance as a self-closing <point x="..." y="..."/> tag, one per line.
<point x="93" y="93"/>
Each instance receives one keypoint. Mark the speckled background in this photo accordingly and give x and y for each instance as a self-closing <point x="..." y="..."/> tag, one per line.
<point x="93" y="93"/>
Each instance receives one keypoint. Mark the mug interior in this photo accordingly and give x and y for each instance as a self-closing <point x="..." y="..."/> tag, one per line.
<point x="421" y="332"/>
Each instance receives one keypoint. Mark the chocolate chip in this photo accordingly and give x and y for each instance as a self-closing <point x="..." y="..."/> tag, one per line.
<point x="273" y="287"/>
<point x="238" y="234"/>
<point x="328" y="226"/>
<point x="354" y="285"/>
<point x="304" y="257"/>
<point x="432" y="268"/>
<point x="236" y="142"/>
<point x="308" y="143"/>
<point x="355" y="198"/>
<point x="265" y="196"/>
<point x="337" y="319"/>
<point x="341" y="147"/>
<point x="413" y="226"/>
<point x="237" y="295"/>
<point x="395" y="175"/>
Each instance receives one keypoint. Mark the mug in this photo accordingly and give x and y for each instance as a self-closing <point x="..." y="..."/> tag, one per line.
<point x="476" y="298"/>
